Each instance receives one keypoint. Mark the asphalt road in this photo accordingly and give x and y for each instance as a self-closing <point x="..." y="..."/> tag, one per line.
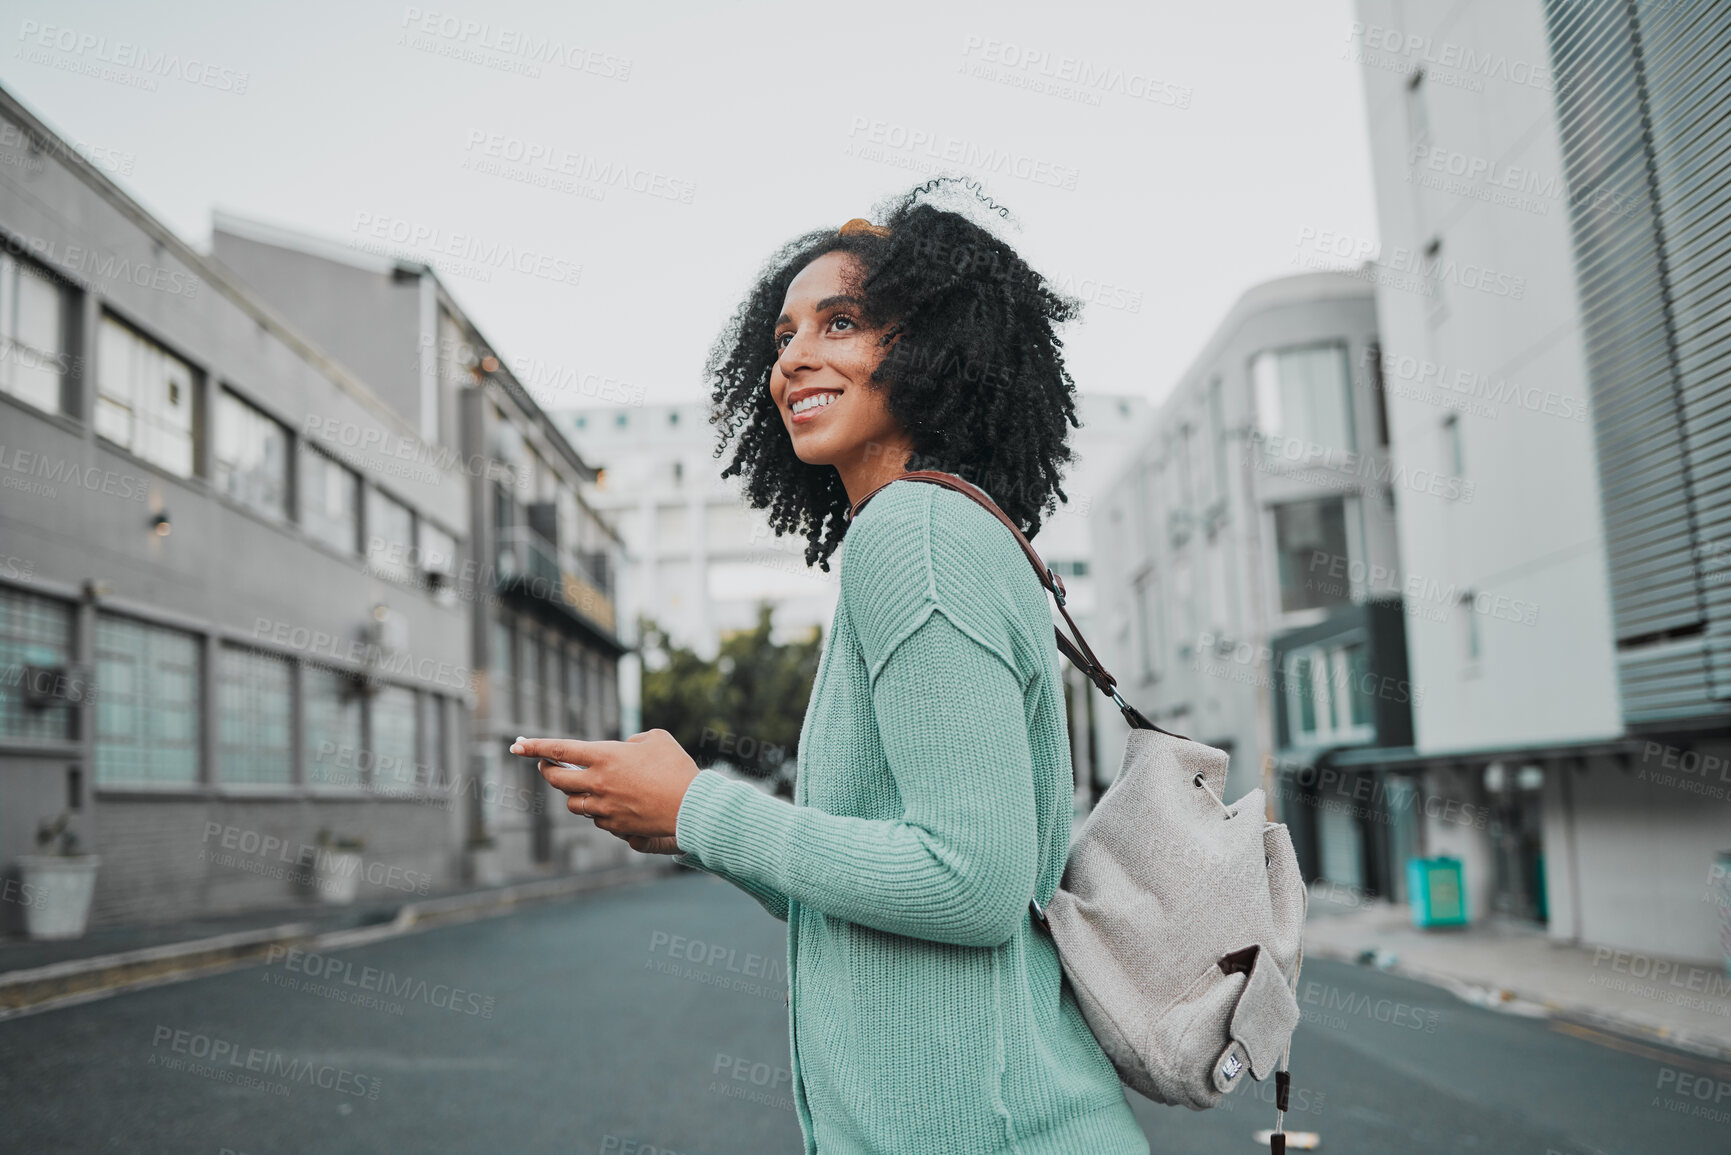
<point x="588" y="1027"/>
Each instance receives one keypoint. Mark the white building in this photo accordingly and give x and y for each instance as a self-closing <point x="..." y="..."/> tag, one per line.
<point x="1548" y="337"/>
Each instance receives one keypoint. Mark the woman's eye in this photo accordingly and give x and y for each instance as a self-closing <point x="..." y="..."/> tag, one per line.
<point x="844" y="322"/>
<point x="781" y="340"/>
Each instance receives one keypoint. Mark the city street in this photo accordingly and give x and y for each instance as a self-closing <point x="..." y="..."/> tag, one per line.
<point x="651" y="1018"/>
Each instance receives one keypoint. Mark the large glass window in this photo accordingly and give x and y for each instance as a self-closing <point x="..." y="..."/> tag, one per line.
<point x="32" y="351"/>
<point x="254" y="713"/>
<point x="1327" y="695"/>
<point x="330" y="497"/>
<point x="437" y="555"/>
<point x="393" y="759"/>
<point x="390" y="537"/>
<point x="148" y="690"/>
<point x="1305" y="395"/>
<point x="36" y="689"/>
<point x="332" y="705"/>
<point x="1310" y="540"/>
<point x="144" y="397"/>
<point x="251" y="456"/>
<point x="436" y="737"/>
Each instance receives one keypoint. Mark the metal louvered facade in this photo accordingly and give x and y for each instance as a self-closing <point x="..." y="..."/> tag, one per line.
<point x="1644" y="110"/>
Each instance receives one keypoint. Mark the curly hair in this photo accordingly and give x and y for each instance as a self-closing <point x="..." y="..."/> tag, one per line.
<point x="974" y="369"/>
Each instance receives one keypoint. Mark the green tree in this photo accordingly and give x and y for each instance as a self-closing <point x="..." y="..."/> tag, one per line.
<point x="745" y="708"/>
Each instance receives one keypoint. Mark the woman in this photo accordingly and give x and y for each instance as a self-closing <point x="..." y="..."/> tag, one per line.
<point x="933" y="797"/>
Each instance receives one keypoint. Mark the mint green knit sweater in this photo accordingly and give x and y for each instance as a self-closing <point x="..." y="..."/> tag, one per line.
<point x="926" y="1013"/>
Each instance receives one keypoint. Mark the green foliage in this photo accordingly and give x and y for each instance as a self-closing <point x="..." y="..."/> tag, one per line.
<point x="745" y="708"/>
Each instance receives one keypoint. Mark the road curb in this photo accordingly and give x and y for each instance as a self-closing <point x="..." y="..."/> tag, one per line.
<point x="1505" y="1000"/>
<point x="75" y="981"/>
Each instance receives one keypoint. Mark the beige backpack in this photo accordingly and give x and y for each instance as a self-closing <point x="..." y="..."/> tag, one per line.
<point x="1179" y="920"/>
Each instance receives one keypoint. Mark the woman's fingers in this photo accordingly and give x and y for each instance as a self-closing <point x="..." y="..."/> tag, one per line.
<point x="571" y="780"/>
<point x="566" y="750"/>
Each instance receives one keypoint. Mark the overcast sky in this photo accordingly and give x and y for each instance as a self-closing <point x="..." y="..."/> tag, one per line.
<point x="1185" y="147"/>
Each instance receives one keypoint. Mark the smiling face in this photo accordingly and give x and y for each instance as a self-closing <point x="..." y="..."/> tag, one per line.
<point x="821" y="381"/>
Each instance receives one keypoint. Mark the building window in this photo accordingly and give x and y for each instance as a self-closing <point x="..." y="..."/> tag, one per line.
<point x="1379" y="390"/>
<point x="148" y="694"/>
<point x="37" y="689"/>
<point x="1150" y="637"/>
<point x="330" y="497"/>
<point x="32" y="352"/>
<point x="437" y="556"/>
<point x="393" y="739"/>
<point x="1469" y="619"/>
<point x="251" y="456"/>
<point x="1453" y="451"/>
<point x="333" y="726"/>
<point x="1304" y="395"/>
<point x="390" y="537"/>
<point x="144" y="398"/>
<point x="254" y="713"/>
<point x="1310" y="544"/>
<point x="572" y="698"/>
<point x="1417" y="118"/>
<point x="1326" y="698"/>
<point x="1217" y="423"/>
<point x="504" y="661"/>
<point x="436" y="737"/>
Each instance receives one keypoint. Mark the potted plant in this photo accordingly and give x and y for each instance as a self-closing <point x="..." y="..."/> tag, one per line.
<point x="337" y="868"/>
<point x="58" y="882"/>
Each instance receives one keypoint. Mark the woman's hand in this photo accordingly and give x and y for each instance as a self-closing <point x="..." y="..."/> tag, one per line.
<point x="632" y="789"/>
<point x="662" y="845"/>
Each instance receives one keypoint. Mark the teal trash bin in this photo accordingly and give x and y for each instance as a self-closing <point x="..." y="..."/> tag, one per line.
<point x="1435" y="892"/>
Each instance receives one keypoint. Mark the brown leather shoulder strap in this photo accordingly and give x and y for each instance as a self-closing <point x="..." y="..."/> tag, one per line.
<point x="1078" y="651"/>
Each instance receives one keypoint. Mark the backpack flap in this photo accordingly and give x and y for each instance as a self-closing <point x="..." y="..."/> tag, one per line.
<point x="1262" y="1023"/>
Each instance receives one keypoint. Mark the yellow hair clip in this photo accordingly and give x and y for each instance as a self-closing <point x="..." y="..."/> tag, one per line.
<point x="861" y="225"/>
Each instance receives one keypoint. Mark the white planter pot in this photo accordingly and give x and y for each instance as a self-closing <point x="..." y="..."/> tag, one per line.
<point x="59" y="889"/>
<point x="337" y="876"/>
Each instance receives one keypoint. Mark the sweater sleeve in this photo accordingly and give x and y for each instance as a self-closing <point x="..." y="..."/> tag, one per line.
<point x="958" y="866"/>
<point x="771" y="900"/>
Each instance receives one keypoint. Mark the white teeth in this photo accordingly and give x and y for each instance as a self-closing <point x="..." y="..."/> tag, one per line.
<point x="815" y="401"/>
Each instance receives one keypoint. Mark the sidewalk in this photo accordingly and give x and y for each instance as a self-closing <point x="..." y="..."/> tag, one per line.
<point x="37" y="976"/>
<point x="1518" y="969"/>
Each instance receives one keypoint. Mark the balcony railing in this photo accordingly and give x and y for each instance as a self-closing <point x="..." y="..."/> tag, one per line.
<point x="579" y="582"/>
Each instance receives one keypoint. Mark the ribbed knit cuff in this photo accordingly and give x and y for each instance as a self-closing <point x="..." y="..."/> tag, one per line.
<point x="733" y="827"/>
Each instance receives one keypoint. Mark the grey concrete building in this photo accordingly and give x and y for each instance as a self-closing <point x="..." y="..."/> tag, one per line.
<point x="219" y="666"/>
<point x="1247" y="570"/>
<point x="544" y="635"/>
